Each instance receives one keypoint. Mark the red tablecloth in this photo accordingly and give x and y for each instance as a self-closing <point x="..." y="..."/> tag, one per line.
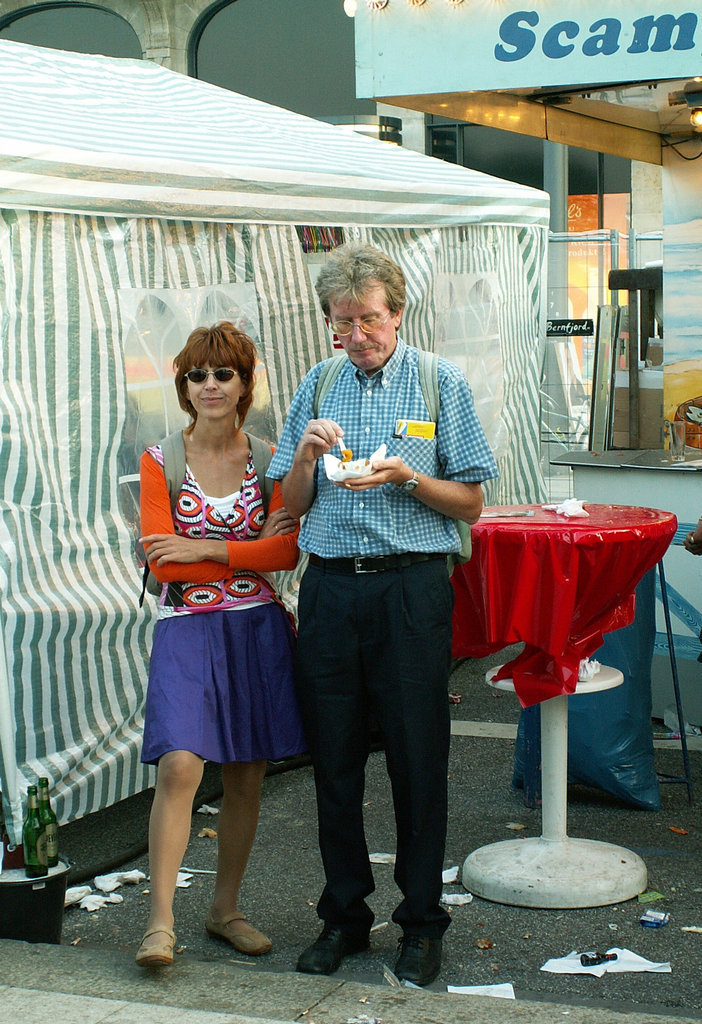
<point x="554" y="583"/>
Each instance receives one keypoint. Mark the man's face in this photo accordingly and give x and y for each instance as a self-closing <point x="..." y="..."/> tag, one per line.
<point x="369" y="352"/>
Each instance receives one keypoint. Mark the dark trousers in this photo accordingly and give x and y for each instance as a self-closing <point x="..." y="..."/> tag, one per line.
<point x="378" y="644"/>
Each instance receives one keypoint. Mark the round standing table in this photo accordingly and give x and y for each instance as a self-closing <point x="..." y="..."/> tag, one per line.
<point x="556" y="584"/>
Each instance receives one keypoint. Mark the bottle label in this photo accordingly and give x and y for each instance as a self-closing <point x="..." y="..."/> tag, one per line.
<point x="42" y="849"/>
<point x="51" y="834"/>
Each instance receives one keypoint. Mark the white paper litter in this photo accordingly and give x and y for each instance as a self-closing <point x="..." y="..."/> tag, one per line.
<point x="381" y="858"/>
<point x="206" y="809"/>
<point x="95" y="901"/>
<point x="339" y="471"/>
<point x="449" y="875"/>
<point x="108" y="883"/>
<point x="504" y="991"/>
<point x="626" y="961"/>
<point x="75" y="894"/>
<point x="456" y="899"/>
<point x="571" y="507"/>
<point x="183" y="880"/>
<point x="588" y="669"/>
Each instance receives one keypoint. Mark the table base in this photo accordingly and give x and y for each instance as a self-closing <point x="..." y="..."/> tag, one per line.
<point x="564" y="874"/>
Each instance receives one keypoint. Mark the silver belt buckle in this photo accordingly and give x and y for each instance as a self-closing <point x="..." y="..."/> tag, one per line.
<point x="357" y="566"/>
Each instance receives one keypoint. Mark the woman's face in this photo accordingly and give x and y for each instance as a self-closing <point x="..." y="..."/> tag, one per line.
<point x="213" y="399"/>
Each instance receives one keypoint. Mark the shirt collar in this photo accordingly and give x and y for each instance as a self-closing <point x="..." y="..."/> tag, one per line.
<point x="386" y="374"/>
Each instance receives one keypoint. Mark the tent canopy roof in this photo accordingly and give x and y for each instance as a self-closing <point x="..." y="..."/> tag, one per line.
<point x="99" y="135"/>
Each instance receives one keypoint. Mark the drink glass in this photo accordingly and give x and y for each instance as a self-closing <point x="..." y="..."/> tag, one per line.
<point x="676" y="434"/>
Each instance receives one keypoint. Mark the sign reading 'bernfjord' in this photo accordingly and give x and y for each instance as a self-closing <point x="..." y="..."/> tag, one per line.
<point x="458" y="47"/>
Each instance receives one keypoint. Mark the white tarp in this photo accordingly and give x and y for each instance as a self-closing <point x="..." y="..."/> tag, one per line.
<point x="136" y="203"/>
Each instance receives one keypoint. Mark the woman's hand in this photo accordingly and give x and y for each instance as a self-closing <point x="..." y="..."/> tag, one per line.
<point x="169" y="547"/>
<point x="278" y="524"/>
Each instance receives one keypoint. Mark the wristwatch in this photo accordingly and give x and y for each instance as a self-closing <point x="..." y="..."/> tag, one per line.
<point x="411" y="485"/>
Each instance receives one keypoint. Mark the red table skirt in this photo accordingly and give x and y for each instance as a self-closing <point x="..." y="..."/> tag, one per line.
<point x="555" y="584"/>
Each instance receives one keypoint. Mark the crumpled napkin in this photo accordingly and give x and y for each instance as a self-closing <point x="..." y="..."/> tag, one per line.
<point x="626" y="961"/>
<point x="571" y="507"/>
<point x="108" y="883"/>
<point x="456" y="899"/>
<point x="338" y="471"/>
<point x="588" y="669"/>
<point x="94" y="901"/>
<point x="75" y="894"/>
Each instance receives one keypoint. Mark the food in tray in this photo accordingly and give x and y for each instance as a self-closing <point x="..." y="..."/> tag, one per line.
<point x="346" y="454"/>
<point x="339" y="471"/>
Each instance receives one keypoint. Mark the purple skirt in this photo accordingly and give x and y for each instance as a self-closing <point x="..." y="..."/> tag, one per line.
<point x="221" y="686"/>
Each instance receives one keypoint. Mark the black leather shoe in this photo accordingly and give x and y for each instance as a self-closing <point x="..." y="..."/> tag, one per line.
<point x="326" y="953"/>
<point x="419" y="960"/>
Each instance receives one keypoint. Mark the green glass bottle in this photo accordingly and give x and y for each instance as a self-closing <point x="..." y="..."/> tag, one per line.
<point x="34" y="837"/>
<point x="50" y="823"/>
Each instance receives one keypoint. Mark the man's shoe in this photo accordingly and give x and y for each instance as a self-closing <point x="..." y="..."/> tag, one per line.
<point x="419" y="960"/>
<point x="326" y="953"/>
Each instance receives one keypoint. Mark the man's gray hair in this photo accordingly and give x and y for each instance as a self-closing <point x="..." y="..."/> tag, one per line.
<point x="353" y="269"/>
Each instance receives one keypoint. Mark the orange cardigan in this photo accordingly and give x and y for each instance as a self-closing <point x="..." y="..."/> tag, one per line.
<point x="270" y="554"/>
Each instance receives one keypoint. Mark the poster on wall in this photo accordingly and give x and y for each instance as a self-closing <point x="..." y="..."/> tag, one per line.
<point x="682" y="288"/>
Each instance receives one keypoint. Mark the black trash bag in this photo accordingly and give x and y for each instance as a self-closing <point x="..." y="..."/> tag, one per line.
<point x="610" y="740"/>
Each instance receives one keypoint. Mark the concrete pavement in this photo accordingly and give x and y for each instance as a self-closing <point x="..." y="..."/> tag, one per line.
<point x="92" y="976"/>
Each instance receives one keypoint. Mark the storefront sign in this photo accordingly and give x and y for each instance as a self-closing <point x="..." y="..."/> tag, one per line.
<point x="570" y="328"/>
<point x="440" y="47"/>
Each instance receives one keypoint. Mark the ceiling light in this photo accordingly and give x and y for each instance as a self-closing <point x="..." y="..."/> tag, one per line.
<point x="696" y="119"/>
<point x="350" y="7"/>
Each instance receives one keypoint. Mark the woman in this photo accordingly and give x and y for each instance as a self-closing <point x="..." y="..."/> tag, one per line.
<point x="220" y="680"/>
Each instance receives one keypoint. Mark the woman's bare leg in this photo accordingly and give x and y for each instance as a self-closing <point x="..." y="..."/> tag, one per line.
<point x="236" y="831"/>
<point x="179" y="775"/>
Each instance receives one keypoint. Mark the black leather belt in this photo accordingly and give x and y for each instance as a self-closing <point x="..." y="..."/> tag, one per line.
<point x="373" y="563"/>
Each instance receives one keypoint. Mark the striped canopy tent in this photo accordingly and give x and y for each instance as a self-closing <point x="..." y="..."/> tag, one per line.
<point x="135" y="204"/>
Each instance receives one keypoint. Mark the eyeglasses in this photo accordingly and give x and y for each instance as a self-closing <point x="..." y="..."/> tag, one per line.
<point x="222" y="374"/>
<point x="368" y="324"/>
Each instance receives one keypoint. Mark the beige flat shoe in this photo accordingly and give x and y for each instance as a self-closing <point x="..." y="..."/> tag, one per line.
<point x="240" y="934"/>
<point x="155" y="950"/>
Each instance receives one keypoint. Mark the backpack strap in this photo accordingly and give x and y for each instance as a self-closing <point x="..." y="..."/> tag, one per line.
<point x="330" y="371"/>
<point x="173" y="449"/>
<point x="262" y="455"/>
<point x="429" y="380"/>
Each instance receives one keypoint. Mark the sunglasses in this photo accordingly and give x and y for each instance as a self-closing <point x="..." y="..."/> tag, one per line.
<point x="222" y="374"/>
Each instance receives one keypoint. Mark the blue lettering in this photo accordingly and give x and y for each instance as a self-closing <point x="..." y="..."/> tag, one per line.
<point x="552" y="45"/>
<point x="514" y="34"/>
<point x="608" y="42"/>
<point x="643" y="27"/>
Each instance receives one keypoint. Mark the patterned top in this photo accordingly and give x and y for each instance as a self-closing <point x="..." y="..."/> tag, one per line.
<point x="195" y="517"/>
<point x="386" y="520"/>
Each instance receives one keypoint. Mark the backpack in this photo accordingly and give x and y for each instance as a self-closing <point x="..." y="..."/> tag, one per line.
<point x="429" y="381"/>
<point x="173" y="448"/>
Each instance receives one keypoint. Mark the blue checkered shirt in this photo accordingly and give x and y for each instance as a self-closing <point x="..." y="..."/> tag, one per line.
<point x="386" y="520"/>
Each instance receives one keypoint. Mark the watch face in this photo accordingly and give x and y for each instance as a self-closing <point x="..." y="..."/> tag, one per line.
<point x="409" y="485"/>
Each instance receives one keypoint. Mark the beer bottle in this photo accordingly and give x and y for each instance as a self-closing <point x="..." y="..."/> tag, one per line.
<point x="50" y="823"/>
<point x="34" y="837"/>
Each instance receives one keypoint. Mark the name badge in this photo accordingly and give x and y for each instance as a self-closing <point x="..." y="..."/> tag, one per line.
<point x="415" y="428"/>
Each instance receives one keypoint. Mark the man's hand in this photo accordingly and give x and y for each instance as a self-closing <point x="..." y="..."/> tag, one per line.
<point x="387" y="471"/>
<point x="319" y="437"/>
<point x="693" y="541"/>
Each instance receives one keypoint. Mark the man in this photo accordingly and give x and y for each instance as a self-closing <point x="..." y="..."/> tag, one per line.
<point x="375" y="602"/>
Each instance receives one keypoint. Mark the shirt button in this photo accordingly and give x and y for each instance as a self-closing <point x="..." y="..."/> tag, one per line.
<point x="361" y="504"/>
<point x="368" y="430"/>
